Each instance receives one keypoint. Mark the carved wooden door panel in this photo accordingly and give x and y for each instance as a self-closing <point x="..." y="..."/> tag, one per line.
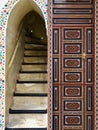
<point x="72" y="64"/>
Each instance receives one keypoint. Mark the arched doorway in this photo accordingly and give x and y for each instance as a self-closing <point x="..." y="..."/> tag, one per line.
<point x="14" y="28"/>
<point x="73" y="61"/>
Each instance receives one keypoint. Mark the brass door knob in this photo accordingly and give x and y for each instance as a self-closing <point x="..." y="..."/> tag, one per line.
<point x="83" y="56"/>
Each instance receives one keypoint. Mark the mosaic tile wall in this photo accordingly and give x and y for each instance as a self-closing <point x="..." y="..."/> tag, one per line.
<point x="4" y="14"/>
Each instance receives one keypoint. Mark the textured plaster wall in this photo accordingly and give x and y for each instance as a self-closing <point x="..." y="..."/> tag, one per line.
<point x="14" y="37"/>
<point x="11" y="74"/>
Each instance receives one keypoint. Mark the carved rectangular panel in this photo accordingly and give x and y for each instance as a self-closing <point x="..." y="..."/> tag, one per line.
<point x="89" y="70"/>
<point x="72" y="120"/>
<point x="89" y="98"/>
<point x="72" y="34"/>
<point x="55" y="98"/>
<point x="72" y="77"/>
<point x="70" y="105"/>
<point x="72" y="62"/>
<point x="89" y="123"/>
<point x="71" y="48"/>
<point x="89" y="41"/>
<point x="55" y="41"/>
<point x="55" y="122"/>
<point x="72" y="21"/>
<point x="72" y="2"/>
<point x="56" y="70"/>
<point x="72" y="11"/>
<point x="72" y="91"/>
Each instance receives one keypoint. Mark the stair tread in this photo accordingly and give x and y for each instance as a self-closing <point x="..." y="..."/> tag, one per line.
<point x="25" y="128"/>
<point x="35" y="46"/>
<point x="34" y="67"/>
<point x="45" y="44"/>
<point x="27" y="121"/>
<point x="31" y="88"/>
<point x="32" y="76"/>
<point x="35" y="52"/>
<point x="35" y="59"/>
<point x="34" y="103"/>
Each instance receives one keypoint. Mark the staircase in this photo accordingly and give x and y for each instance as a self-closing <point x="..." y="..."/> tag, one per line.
<point x="29" y="109"/>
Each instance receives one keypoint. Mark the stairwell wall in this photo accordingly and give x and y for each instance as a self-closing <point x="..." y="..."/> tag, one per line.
<point x="14" y="57"/>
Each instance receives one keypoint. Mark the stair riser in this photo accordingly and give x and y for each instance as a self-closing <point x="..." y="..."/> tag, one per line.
<point x="34" y="68"/>
<point x="32" y="77"/>
<point x="27" y="121"/>
<point x="31" y="88"/>
<point x="27" y="46"/>
<point x="35" y="59"/>
<point x="29" y="103"/>
<point x="35" y="53"/>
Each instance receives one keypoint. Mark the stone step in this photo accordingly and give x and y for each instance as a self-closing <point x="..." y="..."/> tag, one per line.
<point x="31" y="94"/>
<point x="31" y="88"/>
<point x="11" y="111"/>
<point x="34" y="67"/>
<point x="25" y="128"/>
<point x="34" y="63"/>
<point x="34" y="56"/>
<point x="32" y="76"/>
<point x="33" y="40"/>
<point x="37" y="82"/>
<point x="37" y="43"/>
<point x="37" y="49"/>
<point x="35" y="59"/>
<point x="33" y="52"/>
<point x="29" y="103"/>
<point x="27" y="121"/>
<point x="33" y="46"/>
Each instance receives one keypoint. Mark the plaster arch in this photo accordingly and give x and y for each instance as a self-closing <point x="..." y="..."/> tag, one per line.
<point x="20" y="7"/>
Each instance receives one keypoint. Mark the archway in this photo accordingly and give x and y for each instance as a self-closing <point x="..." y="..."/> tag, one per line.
<point x="8" y="10"/>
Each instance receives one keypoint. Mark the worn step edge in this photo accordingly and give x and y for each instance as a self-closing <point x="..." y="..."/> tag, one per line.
<point x="34" y="63"/>
<point x="35" y="55"/>
<point x="32" y="37"/>
<point x="11" y="111"/>
<point x="38" y="82"/>
<point x="35" y="49"/>
<point x="30" y="43"/>
<point x="31" y="94"/>
<point x="25" y="128"/>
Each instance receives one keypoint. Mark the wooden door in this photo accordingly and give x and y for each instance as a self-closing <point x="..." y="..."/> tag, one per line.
<point x="72" y="23"/>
